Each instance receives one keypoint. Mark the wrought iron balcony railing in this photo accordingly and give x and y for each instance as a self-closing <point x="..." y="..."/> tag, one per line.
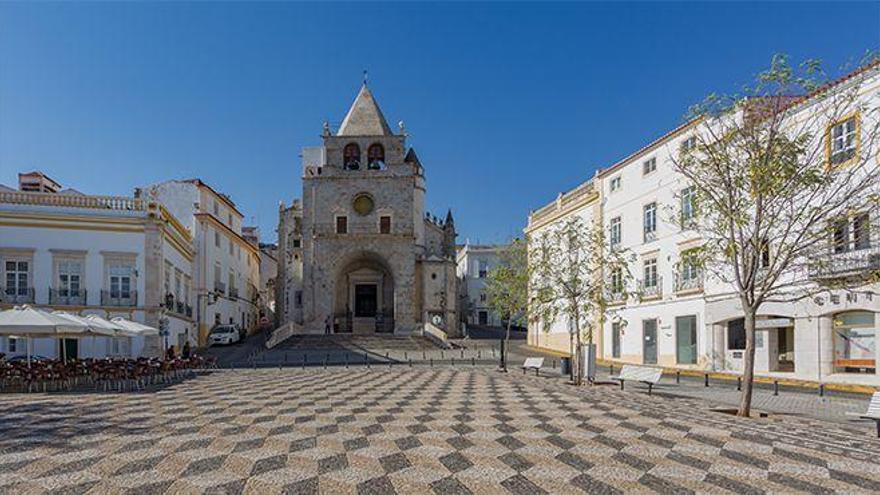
<point x="855" y="263"/>
<point x="13" y="295"/>
<point x="67" y="297"/>
<point x="118" y="298"/>
<point x="689" y="281"/>
<point x="651" y="288"/>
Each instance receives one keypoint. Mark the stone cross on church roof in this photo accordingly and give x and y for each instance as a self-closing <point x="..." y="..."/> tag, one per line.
<point x="364" y="117"/>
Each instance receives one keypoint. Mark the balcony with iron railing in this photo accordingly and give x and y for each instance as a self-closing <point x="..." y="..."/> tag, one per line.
<point x="67" y="297"/>
<point x="688" y="282"/>
<point x="615" y="295"/>
<point x="651" y="288"/>
<point x="851" y="261"/>
<point x="118" y="298"/>
<point x="233" y="292"/>
<point x="220" y="287"/>
<point x="13" y="295"/>
<point x="650" y="235"/>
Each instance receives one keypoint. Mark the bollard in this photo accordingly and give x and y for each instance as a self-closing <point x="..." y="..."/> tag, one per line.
<point x="410" y="363"/>
<point x="473" y="361"/>
<point x="453" y="362"/>
<point x="775" y="387"/>
<point x="304" y="362"/>
<point x="462" y="353"/>
<point x="821" y="390"/>
<point x="706" y="382"/>
<point x="325" y="363"/>
<point x="423" y="356"/>
<point x="493" y="353"/>
<point x="346" y="360"/>
<point x="739" y="381"/>
<point x="432" y="362"/>
<point x="554" y="364"/>
<point x="366" y="361"/>
<point x="479" y="354"/>
<point x="441" y="355"/>
<point x="386" y="355"/>
<point x="611" y="369"/>
<point x="677" y="377"/>
<point x="405" y="356"/>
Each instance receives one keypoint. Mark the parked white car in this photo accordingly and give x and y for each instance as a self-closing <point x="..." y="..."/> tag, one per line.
<point x="224" y="335"/>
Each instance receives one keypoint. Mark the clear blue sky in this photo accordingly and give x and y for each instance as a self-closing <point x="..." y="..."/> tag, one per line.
<point x="507" y="104"/>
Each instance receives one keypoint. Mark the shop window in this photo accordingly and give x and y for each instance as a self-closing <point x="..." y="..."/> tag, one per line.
<point x="855" y="342"/>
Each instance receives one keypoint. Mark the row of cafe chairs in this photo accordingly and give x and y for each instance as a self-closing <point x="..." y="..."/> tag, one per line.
<point x="103" y="374"/>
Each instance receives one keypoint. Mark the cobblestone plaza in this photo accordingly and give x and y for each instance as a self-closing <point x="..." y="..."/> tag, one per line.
<point x="417" y="430"/>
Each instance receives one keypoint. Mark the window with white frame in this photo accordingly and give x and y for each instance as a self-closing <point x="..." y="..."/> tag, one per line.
<point x="17" y="274"/>
<point x="649" y="165"/>
<point x="616" y="282"/>
<point x="615" y="236"/>
<point x="12" y="344"/>
<point x="851" y="234"/>
<point x="482" y="269"/>
<point x="615" y="183"/>
<point x="650" y="273"/>
<point x="650" y="221"/>
<point x="689" y="144"/>
<point x="690" y="269"/>
<point x="69" y="277"/>
<point x="688" y="201"/>
<point x="120" y="279"/>
<point x="843" y="141"/>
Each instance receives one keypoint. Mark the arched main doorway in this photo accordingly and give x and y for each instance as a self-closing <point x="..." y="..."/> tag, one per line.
<point x="364" y="296"/>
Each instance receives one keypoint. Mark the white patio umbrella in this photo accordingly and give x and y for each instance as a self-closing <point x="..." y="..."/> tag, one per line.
<point x="32" y="322"/>
<point x="92" y="328"/>
<point x="134" y="328"/>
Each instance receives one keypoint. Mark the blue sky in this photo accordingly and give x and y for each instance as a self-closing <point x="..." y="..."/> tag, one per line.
<point x="507" y="104"/>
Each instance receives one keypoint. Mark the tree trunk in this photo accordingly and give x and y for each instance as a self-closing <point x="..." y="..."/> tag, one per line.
<point x="578" y="357"/>
<point x="745" y="403"/>
<point x="506" y="344"/>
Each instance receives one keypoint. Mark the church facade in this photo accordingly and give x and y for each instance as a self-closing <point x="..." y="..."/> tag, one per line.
<point x="360" y="253"/>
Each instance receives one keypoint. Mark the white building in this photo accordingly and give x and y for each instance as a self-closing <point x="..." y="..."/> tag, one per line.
<point x="102" y="255"/>
<point x="226" y="272"/>
<point x="473" y="263"/>
<point x="688" y="321"/>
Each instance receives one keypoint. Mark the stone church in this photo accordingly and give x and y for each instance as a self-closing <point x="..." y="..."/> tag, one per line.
<point x="359" y="253"/>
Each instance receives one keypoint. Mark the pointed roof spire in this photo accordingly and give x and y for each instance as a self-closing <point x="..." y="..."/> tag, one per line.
<point x="364" y="117"/>
<point x="411" y="157"/>
<point x="449" y="220"/>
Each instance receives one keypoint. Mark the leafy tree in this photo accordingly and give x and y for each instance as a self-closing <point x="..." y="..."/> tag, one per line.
<point x="574" y="275"/>
<point x="774" y="170"/>
<point x="507" y="288"/>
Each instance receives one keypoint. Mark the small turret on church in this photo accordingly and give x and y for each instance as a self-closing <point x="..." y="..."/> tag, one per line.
<point x="449" y="235"/>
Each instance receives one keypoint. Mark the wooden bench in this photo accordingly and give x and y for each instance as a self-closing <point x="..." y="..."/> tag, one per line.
<point x="633" y="373"/>
<point x="873" y="411"/>
<point x="533" y="363"/>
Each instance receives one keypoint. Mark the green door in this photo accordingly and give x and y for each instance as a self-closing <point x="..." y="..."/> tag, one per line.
<point x="686" y="339"/>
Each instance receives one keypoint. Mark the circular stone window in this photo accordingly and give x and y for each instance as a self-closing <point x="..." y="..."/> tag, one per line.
<point x="363" y="204"/>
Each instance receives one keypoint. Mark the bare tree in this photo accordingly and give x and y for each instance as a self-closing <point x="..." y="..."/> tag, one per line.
<point x="570" y="263"/>
<point x="507" y="289"/>
<point x="776" y="173"/>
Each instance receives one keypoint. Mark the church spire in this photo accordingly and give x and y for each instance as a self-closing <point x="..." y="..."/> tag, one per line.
<point x="364" y="118"/>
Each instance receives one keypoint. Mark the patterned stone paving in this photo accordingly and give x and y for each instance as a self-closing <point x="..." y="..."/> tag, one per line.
<point x="413" y="431"/>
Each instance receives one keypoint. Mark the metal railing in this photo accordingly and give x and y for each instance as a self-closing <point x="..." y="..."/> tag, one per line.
<point x="17" y="296"/>
<point x="220" y="287"/>
<point x="233" y="291"/>
<point x="119" y="299"/>
<point x="846" y="264"/>
<point x="67" y="297"/>
<point x="650" y="235"/>
<point x="691" y="282"/>
<point x="655" y="289"/>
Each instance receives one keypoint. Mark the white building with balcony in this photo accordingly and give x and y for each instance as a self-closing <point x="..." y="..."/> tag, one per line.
<point x="473" y="262"/>
<point x="226" y="271"/>
<point x="103" y="255"/>
<point x="683" y="319"/>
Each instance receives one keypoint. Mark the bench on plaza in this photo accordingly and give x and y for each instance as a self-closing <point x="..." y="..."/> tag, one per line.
<point x="533" y="363"/>
<point x="873" y="411"/>
<point x="644" y="374"/>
